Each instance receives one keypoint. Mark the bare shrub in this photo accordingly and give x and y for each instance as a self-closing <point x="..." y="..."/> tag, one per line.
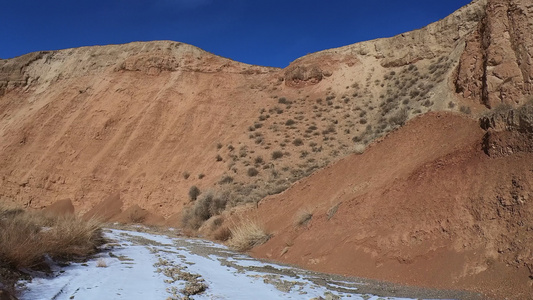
<point x="24" y="243"/>
<point x="290" y="122"/>
<point x="303" y="217"/>
<point x="101" y="263"/>
<point x="277" y="154"/>
<point x="399" y="118"/>
<point x="283" y="100"/>
<point x="298" y="142"/>
<point x="333" y="210"/>
<point x="222" y="234"/>
<point x="465" y="110"/>
<point x="252" y="172"/>
<point x="247" y="235"/>
<point x="205" y="207"/>
<point x="225" y="180"/>
<point x="359" y="148"/>
<point x="194" y="192"/>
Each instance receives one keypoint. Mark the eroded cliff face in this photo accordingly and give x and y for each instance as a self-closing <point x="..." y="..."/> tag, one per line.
<point x="509" y="131"/>
<point x="136" y="118"/>
<point x="496" y="66"/>
<point x="46" y="67"/>
<point x="132" y="119"/>
<point x="443" y="38"/>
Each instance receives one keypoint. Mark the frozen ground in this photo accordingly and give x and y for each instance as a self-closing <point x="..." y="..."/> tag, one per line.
<point x="141" y="265"/>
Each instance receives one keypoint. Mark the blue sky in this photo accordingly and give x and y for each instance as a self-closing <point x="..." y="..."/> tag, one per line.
<point x="262" y="32"/>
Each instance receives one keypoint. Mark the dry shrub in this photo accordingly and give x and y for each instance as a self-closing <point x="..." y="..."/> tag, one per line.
<point x="26" y="237"/>
<point x="399" y="118"/>
<point x="247" y="235"/>
<point x="101" y="263"/>
<point x="333" y="210"/>
<point x="252" y="172"/>
<point x="359" y="148"/>
<point x="71" y="237"/>
<point x="303" y="217"/>
<point x="194" y="192"/>
<point x="207" y="205"/>
<point x="223" y="234"/>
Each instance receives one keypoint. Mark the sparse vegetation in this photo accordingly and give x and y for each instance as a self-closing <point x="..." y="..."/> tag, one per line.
<point x="277" y="154"/>
<point x="259" y="160"/>
<point x="101" y="263"/>
<point x="194" y="192"/>
<point x="298" y="142"/>
<point x="252" y="172"/>
<point x="290" y="122"/>
<point x="225" y="179"/>
<point x="465" y="110"/>
<point x="399" y="118"/>
<point x="333" y="210"/>
<point x="24" y="242"/>
<point x="303" y="217"/>
<point x="207" y="205"/>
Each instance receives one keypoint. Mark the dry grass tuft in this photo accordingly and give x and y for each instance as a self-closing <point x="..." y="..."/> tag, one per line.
<point x="101" y="263"/>
<point x="247" y="235"/>
<point x="303" y="217"/>
<point x="26" y="237"/>
<point x="222" y="234"/>
<point x="333" y="210"/>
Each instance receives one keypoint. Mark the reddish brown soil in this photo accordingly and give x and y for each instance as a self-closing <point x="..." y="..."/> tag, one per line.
<point x="424" y="206"/>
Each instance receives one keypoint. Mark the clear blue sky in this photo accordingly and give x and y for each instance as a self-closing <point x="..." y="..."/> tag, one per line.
<point x="262" y="32"/>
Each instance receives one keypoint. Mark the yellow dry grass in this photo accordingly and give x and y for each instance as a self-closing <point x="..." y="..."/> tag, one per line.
<point x="303" y="217"/>
<point x="247" y="235"/>
<point x="25" y="237"/>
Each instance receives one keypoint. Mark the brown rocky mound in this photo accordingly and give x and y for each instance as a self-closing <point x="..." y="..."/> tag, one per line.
<point x="107" y="209"/>
<point x="424" y="206"/>
<point x="60" y="208"/>
<point x="135" y="214"/>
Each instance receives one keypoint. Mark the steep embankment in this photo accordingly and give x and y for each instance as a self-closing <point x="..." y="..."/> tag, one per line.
<point x="151" y="120"/>
<point x="135" y="119"/>
<point x="425" y="206"/>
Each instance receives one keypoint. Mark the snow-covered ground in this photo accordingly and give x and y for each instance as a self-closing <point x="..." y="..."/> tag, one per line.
<point x="140" y="265"/>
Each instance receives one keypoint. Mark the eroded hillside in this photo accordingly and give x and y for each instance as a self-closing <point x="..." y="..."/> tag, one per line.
<point x="138" y="132"/>
<point x="151" y="120"/>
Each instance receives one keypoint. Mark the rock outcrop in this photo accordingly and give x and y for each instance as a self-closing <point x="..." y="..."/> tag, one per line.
<point x="509" y="131"/>
<point x="496" y="66"/>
